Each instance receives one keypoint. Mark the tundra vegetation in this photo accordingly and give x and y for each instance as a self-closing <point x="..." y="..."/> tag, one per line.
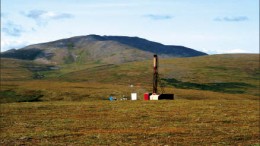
<point x="216" y="102"/>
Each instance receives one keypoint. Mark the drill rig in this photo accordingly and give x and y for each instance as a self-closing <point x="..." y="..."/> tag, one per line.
<point x="155" y="95"/>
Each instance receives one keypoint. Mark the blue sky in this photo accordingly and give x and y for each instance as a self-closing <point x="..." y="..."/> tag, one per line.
<point x="211" y="26"/>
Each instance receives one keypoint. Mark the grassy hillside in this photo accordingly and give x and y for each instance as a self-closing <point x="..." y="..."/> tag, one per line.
<point x="228" y="76"/>
<point x="239" y="71"/>
<point x="221" y="73"/>
<point x="21" y="70"/>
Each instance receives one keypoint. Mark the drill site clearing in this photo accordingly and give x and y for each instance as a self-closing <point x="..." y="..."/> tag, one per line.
<point x="154" y="95"/>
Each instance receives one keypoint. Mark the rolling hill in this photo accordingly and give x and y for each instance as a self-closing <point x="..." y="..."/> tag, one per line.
<point x="105" y="49"/>
<point x="230" y="76"/>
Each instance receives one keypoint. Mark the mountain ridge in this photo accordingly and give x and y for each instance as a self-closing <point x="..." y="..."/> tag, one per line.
<point x="107" y="49"/>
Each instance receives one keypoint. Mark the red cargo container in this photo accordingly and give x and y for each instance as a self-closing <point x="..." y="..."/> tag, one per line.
<point x="146" y="96"/>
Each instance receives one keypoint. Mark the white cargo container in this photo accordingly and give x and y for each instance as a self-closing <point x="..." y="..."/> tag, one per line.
<point x="154" y="97"/>
<point x="133" y="96"/>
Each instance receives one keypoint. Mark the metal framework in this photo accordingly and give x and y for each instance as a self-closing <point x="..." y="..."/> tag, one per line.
<point x="155" y="73"/>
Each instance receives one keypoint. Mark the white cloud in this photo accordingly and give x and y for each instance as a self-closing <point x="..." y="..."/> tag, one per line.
<point x="158" y="17"/>
<point x="12" y="44"/>
<point x="227" y="51"/>
<point x="235" y="51"/>
<point x="232" y="19"/>
<point x="43" y="17"/>
<point x="12" y="29"/>
<point x="111" y="5"/>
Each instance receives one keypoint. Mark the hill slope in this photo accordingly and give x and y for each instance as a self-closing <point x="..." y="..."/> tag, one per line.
<point x="237" y="73"/>
<point x="106" y="49"/>
<point x="233" y="76"/>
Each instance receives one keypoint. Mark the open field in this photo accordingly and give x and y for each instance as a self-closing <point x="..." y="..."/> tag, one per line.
<point x="216" y="103"/>
<point x="42" y="90"/>
<point x="177" y="122"/>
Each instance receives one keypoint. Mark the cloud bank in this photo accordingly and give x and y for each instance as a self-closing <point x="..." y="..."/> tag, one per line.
<point x="43" y="17"/>
<point x="158" y="17"/>
<point x="232" y="19"/>
<point x="3" y="15"/>
<point x="12" y="44"/>
<point x="12" y="29"/>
